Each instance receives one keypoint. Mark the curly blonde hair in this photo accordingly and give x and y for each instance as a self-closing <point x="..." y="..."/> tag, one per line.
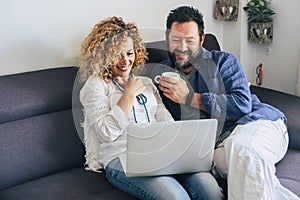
<point x="103" y="46"/>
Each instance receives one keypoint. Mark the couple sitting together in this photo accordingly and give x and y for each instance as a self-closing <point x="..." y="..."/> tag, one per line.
<point x="252" y="136"/>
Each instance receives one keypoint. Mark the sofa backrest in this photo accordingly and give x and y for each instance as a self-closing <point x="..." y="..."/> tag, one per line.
<point x="38" y="136"/>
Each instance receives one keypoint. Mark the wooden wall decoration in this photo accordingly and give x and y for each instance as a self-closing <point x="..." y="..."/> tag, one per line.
<point x="226" y="10"/>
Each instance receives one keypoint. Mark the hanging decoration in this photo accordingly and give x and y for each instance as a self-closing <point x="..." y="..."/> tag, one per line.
<point x="226" y="10"/>
<point x="260" y="23"/>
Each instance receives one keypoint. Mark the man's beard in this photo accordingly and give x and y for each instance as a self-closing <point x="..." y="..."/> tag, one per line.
<point x="178" y="64"/>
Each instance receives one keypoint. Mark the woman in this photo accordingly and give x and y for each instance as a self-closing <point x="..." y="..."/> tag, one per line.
<point x="112" y="97"/>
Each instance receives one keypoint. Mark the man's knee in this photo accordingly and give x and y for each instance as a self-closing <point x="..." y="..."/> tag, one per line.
<point x="220" y="168"/>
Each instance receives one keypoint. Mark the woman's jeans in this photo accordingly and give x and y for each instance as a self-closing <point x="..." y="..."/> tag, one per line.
<point x="185" y="186"/>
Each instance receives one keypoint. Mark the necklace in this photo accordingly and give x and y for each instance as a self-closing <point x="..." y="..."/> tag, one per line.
<point x="141" y="99"/>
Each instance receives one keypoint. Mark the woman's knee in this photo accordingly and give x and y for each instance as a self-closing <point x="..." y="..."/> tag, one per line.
<point x="201" y="186"/>
<point x="163" y="187"/>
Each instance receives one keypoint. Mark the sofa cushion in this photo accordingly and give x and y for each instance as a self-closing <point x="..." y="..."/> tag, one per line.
<point x="38" y="146"/>
<point x="75" y="184"/>
<point x="288" y="171"/>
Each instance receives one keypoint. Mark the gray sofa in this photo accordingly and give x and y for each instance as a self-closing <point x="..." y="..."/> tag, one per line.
<point x="41" y="153"/>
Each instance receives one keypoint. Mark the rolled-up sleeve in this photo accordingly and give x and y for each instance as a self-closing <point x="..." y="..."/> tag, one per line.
<point x="233" y="97"/>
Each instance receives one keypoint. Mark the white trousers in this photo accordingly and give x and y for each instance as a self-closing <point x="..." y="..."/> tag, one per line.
<point x="247" y="160"/>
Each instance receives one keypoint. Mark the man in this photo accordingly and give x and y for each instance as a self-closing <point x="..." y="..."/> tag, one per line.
<point x="252" y="136"/>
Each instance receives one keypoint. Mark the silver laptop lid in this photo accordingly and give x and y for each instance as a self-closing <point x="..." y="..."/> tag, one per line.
<point x="162" y="148"/>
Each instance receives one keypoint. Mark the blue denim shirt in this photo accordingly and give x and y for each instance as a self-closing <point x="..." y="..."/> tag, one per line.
<point x="223" y="86"/>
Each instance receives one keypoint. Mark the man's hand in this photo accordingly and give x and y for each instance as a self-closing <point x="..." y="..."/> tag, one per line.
<point x="175" y="90"/>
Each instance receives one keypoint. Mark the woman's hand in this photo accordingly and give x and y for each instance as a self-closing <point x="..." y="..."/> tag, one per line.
<point x="133" y="88"/>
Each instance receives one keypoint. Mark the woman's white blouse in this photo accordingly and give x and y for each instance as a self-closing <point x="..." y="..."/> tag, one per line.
<point x="105" y="123"/>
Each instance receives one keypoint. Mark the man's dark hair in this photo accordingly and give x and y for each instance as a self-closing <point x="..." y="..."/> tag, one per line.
<point x="186" y="14"/>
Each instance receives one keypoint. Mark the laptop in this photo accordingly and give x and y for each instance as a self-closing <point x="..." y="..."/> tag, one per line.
<point x="165" y="148"/>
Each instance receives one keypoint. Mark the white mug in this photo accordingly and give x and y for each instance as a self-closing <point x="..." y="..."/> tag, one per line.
<point x="173" y="75"/>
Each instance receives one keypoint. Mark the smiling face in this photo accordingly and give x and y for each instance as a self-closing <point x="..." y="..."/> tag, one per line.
<point x="122" y="67"/>
<point x="184" y="43"/>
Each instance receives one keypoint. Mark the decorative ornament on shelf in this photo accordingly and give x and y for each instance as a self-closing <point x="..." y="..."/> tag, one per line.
<point x="226" y="10"/>
<point x="260" y="22"/>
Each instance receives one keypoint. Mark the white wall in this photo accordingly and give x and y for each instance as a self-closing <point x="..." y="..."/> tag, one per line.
<point x="280" y="65"/>
<point x="37" y="34"/>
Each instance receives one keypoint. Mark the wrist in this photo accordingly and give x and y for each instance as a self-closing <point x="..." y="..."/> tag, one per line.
<point x="128" y="95"/>
<point x="189" y="98"/>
